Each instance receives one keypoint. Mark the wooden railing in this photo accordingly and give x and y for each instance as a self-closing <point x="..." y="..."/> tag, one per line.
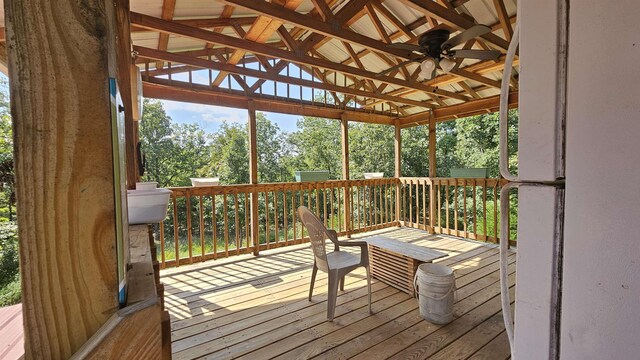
<point x="466" y="208"/>
<point x="215" y="222"/>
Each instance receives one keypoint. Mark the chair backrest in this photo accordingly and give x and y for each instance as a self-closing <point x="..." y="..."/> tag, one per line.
<point x="317" y="234"/>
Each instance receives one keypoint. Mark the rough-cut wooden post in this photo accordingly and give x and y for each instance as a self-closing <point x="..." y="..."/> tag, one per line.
<point x="398" y="170"/>
<point x="253" y="176"/>
<point x="432" y="172"/>
<point x="60" y="58"/>
<point x="345" y="174"/>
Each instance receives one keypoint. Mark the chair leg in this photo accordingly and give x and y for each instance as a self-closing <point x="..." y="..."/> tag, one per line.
<point x="333" y="295"/>
<point x="342" y="283"/>
<point x="369" y="287"/>
<point x="313" y="280"/>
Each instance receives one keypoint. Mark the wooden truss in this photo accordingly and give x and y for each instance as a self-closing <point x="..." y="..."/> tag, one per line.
<point x="242" y="54"/>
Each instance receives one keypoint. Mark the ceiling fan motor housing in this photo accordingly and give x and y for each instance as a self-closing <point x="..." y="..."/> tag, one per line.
<point x="432" y="42"/>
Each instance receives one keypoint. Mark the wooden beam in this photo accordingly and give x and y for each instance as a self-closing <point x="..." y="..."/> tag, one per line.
<point x="323" y="10"/>
<point x="454" y="19"/>
<point x="504" y="19"/>
<point x="208" y="23"/>
<point x="452" y="112"/>
<point x="260" y="31"/>
<point x="64" y="169"/>
<point x="332" y="30"/>
<point x="168" y="8"/>
<point x="202" y="94"/>
<point x="477" y="77"/>
<point x="263" y="49"/>
<point x="219" y="66"/>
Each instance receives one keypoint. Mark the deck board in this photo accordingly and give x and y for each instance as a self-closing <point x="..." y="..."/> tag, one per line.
<point x="257" y="308"/>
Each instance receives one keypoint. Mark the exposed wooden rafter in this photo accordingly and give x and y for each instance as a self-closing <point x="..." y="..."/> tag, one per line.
<point x="228" y="68"/>
<point x="202" y="94"/>
<point x="263" y="49"/>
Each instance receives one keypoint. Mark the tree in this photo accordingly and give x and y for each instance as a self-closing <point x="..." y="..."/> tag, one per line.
<point x="317" y="144"/>
<point x="174" y="152"/>
<point x="7" y="176"/>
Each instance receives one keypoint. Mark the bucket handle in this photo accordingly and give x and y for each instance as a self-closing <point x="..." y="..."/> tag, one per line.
<point x="416" y="294"/>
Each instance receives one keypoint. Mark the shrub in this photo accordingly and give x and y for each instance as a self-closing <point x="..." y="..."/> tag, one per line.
<point x="11" y="294"/>
<point x="9" y="265"/>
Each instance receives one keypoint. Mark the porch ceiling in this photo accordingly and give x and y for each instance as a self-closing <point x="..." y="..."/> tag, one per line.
<point x="339" y="45"/>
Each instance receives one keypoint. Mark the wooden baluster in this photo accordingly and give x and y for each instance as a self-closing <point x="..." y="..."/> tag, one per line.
<point x="455" y="206"/>
<point x="237" y="221"/>
<point x="333" y="223"/>
<point x="226" y="222"/>
<point x="475" y="210"/>
<point x="214" y="225"/>
<point x="284" y="213"/>
<point x="495" y="212"/>
<point x="358" y="192"/>
<point x="175" y="229"/>
<point x="293" y="214"/>
<point x="317" y="198"/>
<point x="189" y="235"/>
<point x="301" y="204"/>
<point x="201" y="217"/>
<point x="275" y="214"/>
<point x="464" y="209"/>
<point x="162" y="264"/>
<point x="352" y="219"/>
<point x="484" y="209"/>
<point x="340" y="209"/>
<point x="246" y="222"/>
<point x="446" y="204"/>
<point x="424" y="204"/>
<point x="267" y="228"/>
<point x="440" y="206"/>
<point x="371" y="221"/>
<point x="375" y="202"/>
<point x="380" y="204"/>
<point x="324" y="203"/>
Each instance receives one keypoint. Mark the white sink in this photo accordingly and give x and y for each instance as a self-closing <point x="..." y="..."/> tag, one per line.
<point x="147" y="206"/>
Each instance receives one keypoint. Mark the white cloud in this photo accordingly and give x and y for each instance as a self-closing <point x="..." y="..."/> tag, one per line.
<point x="208" y="113"/>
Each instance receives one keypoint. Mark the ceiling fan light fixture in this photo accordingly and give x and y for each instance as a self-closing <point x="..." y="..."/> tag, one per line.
<point x="427" y="67"/>
<point x="447" y="64"/>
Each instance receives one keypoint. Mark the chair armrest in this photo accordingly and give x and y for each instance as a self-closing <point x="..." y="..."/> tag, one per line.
<point x="364" y="249"/>
<point x="333" y="236"/>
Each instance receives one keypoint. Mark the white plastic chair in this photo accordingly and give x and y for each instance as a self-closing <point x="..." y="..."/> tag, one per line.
<point x="337" y="263"/>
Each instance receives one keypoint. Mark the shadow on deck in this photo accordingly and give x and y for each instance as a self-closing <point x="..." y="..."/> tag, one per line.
<point x="257" y="308"/>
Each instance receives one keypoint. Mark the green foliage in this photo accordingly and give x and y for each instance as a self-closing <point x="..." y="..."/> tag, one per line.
<point x="174" y="152"/>
<point x="473" y="142"/>
<point x="9" y="264"/>
<point x="317" y="145"/>
<point x="7" y="182"/>
<point x="11" y="293"/>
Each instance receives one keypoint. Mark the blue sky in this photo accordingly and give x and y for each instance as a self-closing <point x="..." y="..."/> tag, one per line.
<point x="210" y="117"/>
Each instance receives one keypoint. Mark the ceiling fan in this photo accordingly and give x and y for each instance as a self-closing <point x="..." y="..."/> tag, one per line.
<point x="435" y="50"/>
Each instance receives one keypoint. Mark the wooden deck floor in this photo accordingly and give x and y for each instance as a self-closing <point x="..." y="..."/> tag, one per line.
<point x="257" y="308"/>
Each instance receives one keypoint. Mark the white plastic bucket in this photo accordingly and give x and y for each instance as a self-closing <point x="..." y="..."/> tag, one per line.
<point x="435" y="287"/>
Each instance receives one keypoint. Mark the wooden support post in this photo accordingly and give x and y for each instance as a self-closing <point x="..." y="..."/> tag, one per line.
<point x="432" y="172"/>
<point x="345" y="174"/>
<point x="398" y="169"/>
<point x="123" y="53"/>
<point x="253" y="176"/>
<point x="64" y="169"/>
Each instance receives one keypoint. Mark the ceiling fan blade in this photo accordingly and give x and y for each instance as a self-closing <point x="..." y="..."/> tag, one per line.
<point x="403" y="46"/>
<point x="471" y="33"/>
<point x="396" y="67"/>
<point x="475" y="54"/>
